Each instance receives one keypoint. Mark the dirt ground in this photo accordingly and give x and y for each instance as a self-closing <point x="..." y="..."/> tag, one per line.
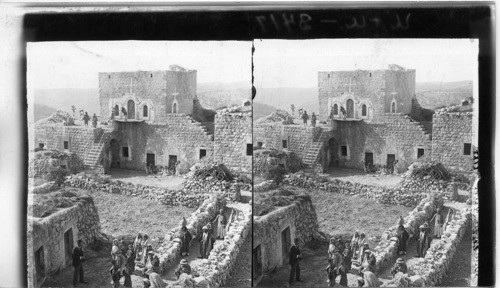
<point x="141" y="177"/>
<point x="359" y="176"/>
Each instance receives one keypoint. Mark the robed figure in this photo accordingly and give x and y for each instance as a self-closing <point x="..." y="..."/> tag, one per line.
<point x="185" y="240"/>
<point x="423" y="241"/>
<point x="206" y="242"/>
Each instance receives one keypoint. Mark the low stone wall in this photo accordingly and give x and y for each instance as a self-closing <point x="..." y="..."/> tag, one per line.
<point x="220" y="263"/>
<point x="48" y="234"/>
<point x="43" y="189"/>
<point x="299" y="218"/>
<point x="169" y="249"/>
<point x="433" y="266"/>
<point x="408" y="198"/>
<point x="386" y="250"/>
<point x="161" y="195"/>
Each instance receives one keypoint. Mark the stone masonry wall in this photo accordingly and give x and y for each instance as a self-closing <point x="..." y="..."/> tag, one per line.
<point x="391" y="134"/>
<point x="299" y="138"/>
<point x="450" y="132"/>
<point x="48" y="233"/>
<point x="178" y="135"/>
<point x="233" y="132"/>
<point x="302" y="221"/>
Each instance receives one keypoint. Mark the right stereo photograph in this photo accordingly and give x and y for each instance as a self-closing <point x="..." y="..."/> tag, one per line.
<point x="363" y="163"/>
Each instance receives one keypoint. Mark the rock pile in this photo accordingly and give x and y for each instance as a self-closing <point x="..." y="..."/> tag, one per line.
<point x="279" y="115"/>
<point x="161" y="195"/>
<point x="58" y="117"/>
<point x="404" y="197"/>
<point x="242" y="111"/>
<point x="426" y="176"/>
<point x="266" y="159"/>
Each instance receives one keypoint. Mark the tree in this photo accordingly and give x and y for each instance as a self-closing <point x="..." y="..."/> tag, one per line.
<point x="293" y="108"/>
<point x="73" y="108"/>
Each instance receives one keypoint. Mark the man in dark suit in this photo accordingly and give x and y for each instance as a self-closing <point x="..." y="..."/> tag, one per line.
<point x="295" y="257"/>
<point x="78" y="259"/>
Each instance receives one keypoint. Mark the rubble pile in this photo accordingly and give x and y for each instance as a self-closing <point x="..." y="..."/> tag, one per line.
<point x="42" y="162"/>
<point x="432" y="268"/>
<point x="266" y="159"/>
<point x="241" y="111"/>
<point x="426" y="176"/>
<point x="161" y="195"/>
<point x="406" y="197"/>
<point x="220" y="263"/>
<point x="58" y="117"/>
<point x="280" y="115"/>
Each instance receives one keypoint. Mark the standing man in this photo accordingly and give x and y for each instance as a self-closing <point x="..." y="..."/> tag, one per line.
<point x="295" y="257"/>
<point x="313" y="120"/>
<point x="86" y="119"/>
<point x="305" y="117"/>
<point x="78" y="259"/>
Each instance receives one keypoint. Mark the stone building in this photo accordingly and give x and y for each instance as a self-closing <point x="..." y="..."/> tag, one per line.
<point x="377" y="127"/>
<point x="163" y="125"/>
<point x="273" y="235"/>
<point x="50" y="235"/>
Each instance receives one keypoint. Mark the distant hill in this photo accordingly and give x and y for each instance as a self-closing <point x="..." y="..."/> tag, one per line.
<point x="283" y="97"/>
<point x="432" y="95"/>
<point x="42" y="111"/>
<point x="261" y="110"/>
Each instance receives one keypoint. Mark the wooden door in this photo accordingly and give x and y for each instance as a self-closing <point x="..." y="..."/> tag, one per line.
<point x="368" y="158"/>
<point x="350" y="108"/>
<point x="150" y="159"/>
<point x="172" y="160"/>
<point x="286" y="243"/>
<point x="131" y="109"/>
<point x="390" y="160"/>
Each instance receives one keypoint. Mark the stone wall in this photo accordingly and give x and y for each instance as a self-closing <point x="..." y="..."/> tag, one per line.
<point x="161" y="195"/>
<point x="221" y="261"/>
<point x="450" y="132"/>
<point x="404" y="197"/>
<point x="386" y="250"/>
<point x="432" y="268"/>
<point x="160" y="88"/>
<point x="301" y="220"/>
<point x="233" y="133"/>
<point x="43" y="161"/>
<point x="299" y="138"/>
<point x="179" y="135"/>
<point x="391" y="134"/>
<point x="169" y="249"/>
<point x="48" y="233"/>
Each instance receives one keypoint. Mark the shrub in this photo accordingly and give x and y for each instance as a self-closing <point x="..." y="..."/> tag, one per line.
<point x="57" y="175"/>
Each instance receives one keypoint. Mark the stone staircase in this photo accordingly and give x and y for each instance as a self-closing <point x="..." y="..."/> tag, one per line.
<point x="313" y="151"/>
<point x="93" y="156"/>
<point x="203" y="126"/>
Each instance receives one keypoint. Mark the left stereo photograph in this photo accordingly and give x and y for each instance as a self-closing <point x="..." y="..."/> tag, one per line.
<point x="140" y="163"/>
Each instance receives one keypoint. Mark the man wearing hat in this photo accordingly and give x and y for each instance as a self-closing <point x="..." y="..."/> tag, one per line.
<point x="423" y="240"/>
<point x="206" y="242"/>
<point x="294" y="258"/>
<point x="369" y="261"/>
<point x="400" y="266"/>
<point x="183" y="268"/>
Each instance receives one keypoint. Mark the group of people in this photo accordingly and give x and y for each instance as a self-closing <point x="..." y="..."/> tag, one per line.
<point x="304" y="116"/>
<point x="86" y="118"/>
<point x="389" y="169"/>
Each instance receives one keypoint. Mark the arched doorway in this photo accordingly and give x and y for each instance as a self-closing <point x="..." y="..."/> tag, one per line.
<point x="131" y="109"/>
<point x="350" y="108"/>
<point x="114" y="154"/>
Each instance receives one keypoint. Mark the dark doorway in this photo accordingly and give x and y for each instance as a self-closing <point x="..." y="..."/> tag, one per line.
<point x="332" y="153"/>
<point x="286" y="243"/>
<point x="350" y="108"/>
<point x="203" y="153"/>
<point x="150" y="159"/>
<point x="172" y="160"/>
<point x="39" y="264"/>
<point x="390" y="160"/>
<point x="257" y="262"/>
<point x="68" y="245"/>
<point x="420" y="152"/>
<point x="40" y="146"/>
<point x="131" y="109"/>
<point x="368" y="158"/>
<point x="114" y="153"/>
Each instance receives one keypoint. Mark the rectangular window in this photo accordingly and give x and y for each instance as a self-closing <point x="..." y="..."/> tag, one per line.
<point x="40" y="145"/>
<point x="66" y="144"/>
<point x="249" y="149"/>
<point x="467" y="149"/>
<point x="420" y="152"/>
<point x="203" y="153"/>
<point x="344" y="150"/>
<point x="285" y="143"/>
<point x="125" y="151"/>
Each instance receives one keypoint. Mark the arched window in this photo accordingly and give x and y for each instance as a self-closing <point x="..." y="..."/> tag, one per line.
<point x="145" y="111"/>
<point x="335" y="109"/>
<point x="393" y="107"/>
<point x="174" y="108"/>
<point x="363" y="110"/>
<point x="350" y="108"/>
<point x="131" y="109"/>
<point x="117" y="110"/>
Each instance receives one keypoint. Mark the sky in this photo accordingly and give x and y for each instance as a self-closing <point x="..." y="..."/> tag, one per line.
<point x="59" y="65"/>
<point x="295" y="63"/>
